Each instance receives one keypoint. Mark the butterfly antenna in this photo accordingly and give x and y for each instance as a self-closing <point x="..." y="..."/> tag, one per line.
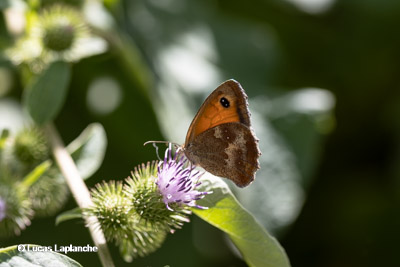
<point x="156" y="142"/>
<point x="177" y="146"/>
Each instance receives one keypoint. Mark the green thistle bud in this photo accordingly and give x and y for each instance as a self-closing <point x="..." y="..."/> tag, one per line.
<point x="59" y="36"/>
<point x="15" y="206"/>
<point x="30" y="146"/>
<point x="120" y="222"/>
<point x="142" y="241"/>
<point x="112" y="209"/>
<point x="61" y="26"/>
<point x="49" y="193"/>
<point x="59" y="32"/>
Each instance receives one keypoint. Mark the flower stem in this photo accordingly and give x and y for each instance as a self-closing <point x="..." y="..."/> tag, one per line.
<point x="79" y="191"/>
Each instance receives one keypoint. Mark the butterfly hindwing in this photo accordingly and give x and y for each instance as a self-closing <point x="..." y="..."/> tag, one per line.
<point x="228" y="150"/>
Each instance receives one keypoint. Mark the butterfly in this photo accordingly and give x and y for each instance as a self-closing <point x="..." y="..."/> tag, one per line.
<point x="220" y="138"/>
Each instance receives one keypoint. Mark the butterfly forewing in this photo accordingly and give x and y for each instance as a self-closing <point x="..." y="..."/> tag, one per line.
<point x="227" y="103"/>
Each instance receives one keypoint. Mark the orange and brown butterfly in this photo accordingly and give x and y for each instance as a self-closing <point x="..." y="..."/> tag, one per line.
<point x="220" y="138"/>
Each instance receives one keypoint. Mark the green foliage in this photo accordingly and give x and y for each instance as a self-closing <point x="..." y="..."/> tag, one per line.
<point x="75" y="213"/>
<point x="256" y="245"/>
<point x="88" y="149"/>
<point x="34" y="189"/>
<point x="36" y="173"/>
<point x="12" y="257"/>
<point x="46" y="96"/>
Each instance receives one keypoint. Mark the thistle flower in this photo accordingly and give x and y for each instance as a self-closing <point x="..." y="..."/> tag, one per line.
<point x="177" y="183"/>
<point x="155" y="200"/>
<point x="147" y="202"/>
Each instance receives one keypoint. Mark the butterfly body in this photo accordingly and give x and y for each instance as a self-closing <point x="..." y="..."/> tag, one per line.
<point x="220" y="138"/>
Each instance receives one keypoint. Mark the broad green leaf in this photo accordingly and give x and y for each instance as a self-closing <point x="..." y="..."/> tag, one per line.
<point x="69" y="215"/>
<point x="256" y="245"/>
<point x="88" y="149"/>
<point x="23" y="256"/>
<point x="46" y="96"/>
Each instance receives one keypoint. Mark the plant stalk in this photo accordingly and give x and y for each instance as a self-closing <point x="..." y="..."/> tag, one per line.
<point x="79" y="191"/>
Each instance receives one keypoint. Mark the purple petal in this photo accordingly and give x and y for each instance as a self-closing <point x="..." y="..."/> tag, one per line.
<point x="177" y="183"/>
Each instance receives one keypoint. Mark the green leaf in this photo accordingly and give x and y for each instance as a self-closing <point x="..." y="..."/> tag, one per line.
<point x="256" y="245"/>
<point x="88" y="149"/>
<point x="12" y="257"/>
<point x="46" y="96"/>
<point x="35" y="174"/>
<point x="69" y="215"/>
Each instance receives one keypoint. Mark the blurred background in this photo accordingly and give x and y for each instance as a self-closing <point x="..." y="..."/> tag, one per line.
<point x="323" y="87"/>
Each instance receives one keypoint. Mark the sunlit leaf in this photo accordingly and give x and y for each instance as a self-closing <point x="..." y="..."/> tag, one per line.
<point x="88" y="149"/>
<point x="256" y="245"/>
<point x="46" y="95"/>
<point x="12" y="257"/>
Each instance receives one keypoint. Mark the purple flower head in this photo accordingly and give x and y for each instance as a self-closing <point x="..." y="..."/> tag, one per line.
<point x="177" y="183"/>
<point x="2" y="209"/>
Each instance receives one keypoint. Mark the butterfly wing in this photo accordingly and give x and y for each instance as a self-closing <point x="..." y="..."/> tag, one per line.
<point x="227" y="103"/>
<point x="228" y="150"/>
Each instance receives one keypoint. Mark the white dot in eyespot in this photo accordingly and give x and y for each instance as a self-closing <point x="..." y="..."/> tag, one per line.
<point x="169" y="196"/>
